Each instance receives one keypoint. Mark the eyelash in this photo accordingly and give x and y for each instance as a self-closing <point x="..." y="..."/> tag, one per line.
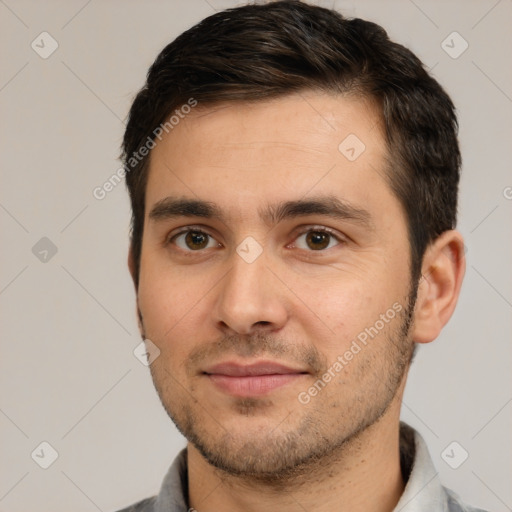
<point x="315" y="229"/>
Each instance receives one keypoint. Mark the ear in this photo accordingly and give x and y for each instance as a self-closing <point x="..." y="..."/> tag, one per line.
<point x="443" y="269"/>
<point x="132" y="267"/>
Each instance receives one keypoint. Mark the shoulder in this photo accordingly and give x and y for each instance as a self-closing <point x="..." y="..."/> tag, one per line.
<point x="147" y="505"/>
<point x="173" y="491"/>
<point x="455" y="504"/>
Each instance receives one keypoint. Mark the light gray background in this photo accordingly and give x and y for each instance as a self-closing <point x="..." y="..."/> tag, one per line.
<point x="68" y="374"/>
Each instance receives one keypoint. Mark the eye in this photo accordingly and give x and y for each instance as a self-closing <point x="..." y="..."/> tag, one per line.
<point x="193" y="240"/>
<point x="317" y="239"/>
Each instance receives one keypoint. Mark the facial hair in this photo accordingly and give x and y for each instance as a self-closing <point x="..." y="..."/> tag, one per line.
<point x="279" y="455"/>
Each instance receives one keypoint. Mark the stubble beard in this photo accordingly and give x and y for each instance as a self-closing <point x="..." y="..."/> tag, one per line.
<point x="281" y="456"/>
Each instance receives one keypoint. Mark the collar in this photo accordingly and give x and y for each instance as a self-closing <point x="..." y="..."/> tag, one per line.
<point x="423" y="491"/>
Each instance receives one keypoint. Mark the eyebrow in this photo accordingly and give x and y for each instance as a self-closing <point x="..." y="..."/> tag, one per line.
<point x="329" y="206"/>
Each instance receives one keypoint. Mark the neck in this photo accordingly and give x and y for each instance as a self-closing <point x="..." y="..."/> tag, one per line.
<point x="362" y="475"/>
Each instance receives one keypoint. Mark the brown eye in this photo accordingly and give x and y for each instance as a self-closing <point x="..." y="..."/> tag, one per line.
<point x="193" y="240"/>
<point x="196" y="240"/>
<point x="317" y="240"/>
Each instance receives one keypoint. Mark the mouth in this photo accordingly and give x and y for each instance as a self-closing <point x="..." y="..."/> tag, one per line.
<point x="256" y="379"/>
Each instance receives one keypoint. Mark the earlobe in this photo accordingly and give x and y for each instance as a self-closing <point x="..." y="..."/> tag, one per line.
<point x="439" y="288"/>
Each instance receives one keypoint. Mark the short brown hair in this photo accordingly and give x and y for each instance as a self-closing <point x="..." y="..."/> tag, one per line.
<point x="257" y="52"/>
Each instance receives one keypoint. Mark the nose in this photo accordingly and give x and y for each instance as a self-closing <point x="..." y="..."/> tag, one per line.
<point x="250" y="298"/>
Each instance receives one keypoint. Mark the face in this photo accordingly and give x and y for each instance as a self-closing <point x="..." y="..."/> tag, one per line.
<point x="274" y="279"/>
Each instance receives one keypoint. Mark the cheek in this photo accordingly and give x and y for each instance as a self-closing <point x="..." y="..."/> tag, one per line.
<point x="167" y="302"/>
<point x="168" y="317"/>
<point x="343" y="308"/>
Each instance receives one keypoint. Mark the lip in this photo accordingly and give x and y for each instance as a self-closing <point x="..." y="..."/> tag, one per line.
<point x="244" y="380"/>
<point x="233" y="369"/>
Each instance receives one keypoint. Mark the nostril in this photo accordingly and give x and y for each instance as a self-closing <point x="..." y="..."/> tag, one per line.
<point x="262" y="322"/>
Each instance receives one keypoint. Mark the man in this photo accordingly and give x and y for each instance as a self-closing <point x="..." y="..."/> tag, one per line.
<point x="293" y="178"/>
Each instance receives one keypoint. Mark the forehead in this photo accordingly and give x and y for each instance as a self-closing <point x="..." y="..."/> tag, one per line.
<point x="245" y="153"/>
<point x="307" y="121"/>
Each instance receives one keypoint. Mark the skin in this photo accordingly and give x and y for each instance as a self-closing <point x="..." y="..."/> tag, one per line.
<point x="294" y="304"/>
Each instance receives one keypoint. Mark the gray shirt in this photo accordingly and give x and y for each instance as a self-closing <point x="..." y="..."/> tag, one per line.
<point x="423" y="491"/>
